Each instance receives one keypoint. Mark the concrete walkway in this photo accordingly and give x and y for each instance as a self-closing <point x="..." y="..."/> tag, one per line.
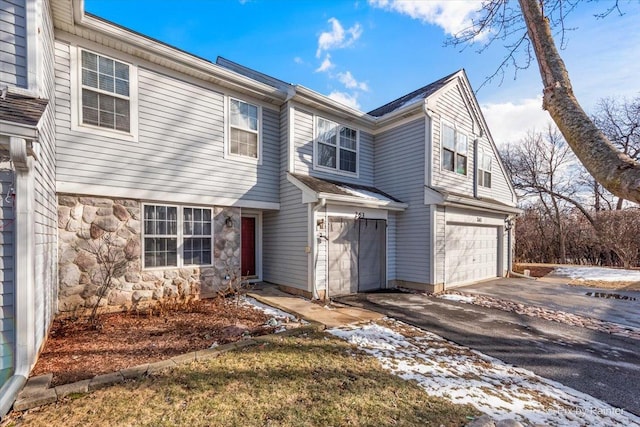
<point x="330" y="317"/>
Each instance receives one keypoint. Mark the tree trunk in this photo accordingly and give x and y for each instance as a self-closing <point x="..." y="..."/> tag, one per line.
<point x="616" y="171"/>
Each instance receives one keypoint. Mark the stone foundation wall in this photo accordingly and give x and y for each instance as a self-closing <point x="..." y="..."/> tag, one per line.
<point x="85" y="224"/>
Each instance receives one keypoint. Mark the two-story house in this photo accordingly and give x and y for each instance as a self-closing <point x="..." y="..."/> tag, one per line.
<point x="199" y="173"/>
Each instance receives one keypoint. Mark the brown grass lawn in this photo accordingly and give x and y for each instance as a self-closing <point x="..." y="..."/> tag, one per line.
<point x="310" y="380"/>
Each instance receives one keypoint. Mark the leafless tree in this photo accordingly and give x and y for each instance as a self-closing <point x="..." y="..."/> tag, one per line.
<point x="619" y="120"/>
<point x="541" y="167"/>
<point x="526" y="32"/>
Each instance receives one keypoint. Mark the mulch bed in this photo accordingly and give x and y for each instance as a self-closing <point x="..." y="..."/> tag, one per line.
<point x="76" y="350"/>
<point x="536" y="270"/>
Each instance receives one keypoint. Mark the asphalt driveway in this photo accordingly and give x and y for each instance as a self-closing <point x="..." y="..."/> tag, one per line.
<point x="602" y="365"/>
<point x="557" y="295"/>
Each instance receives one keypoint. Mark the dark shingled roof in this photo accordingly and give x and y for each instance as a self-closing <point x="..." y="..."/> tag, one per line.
<point x="335" y="187"/>
<point x="24" y="110"/>
<point x="421" y="93"/>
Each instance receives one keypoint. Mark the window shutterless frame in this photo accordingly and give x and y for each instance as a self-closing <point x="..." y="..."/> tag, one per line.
<point x="243" y="137"/>
<point x="454" y="150"/>
<point x="104" y="95"/>
<point x="484" y="169"/>
<point x="336" y="147"/>
<point x="175" y="236"/>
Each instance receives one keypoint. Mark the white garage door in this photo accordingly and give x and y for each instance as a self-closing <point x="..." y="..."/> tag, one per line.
<point x="471" y="253"/>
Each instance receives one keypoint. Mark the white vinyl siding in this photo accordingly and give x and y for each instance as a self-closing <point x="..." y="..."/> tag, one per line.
<point x="180" y="148"/>
<point x="391" y="246"/>
<point x="285" y="239"/>
<point x="284" y="233"/>
<point x="13" y="49"/>
<point x="499" y="189"/>
<point x="453" y="109"/>
<point x="303" y="140"/>
<point x="400" y="171"/>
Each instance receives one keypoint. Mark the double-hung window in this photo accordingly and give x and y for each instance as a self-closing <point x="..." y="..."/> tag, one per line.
<point x="484" y="169"/>
<point x="177" y="236"/>
<point x="244" y="125"/>
<point x="454" y="150"/>
<point x="106" y="98"/>
<point x="336" y="146"/>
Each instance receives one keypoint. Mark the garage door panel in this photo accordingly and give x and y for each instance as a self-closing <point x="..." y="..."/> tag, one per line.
<point x="471" y="253"/>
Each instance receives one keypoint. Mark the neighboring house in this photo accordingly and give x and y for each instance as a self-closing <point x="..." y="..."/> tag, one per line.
<point x="28" y="230"/>
<point x="204" y="172"/>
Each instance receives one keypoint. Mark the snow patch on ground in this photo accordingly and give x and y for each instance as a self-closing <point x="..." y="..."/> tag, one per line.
<point x="460" y="298"/>
<point x="598" y="273"/>
<point x="462" y="375"/>
<point x="270" y="311"/>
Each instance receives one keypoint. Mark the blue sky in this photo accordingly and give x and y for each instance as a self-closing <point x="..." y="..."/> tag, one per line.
<point x="366" y="53"/>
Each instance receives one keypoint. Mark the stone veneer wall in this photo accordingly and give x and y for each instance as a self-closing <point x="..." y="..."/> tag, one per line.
<point x="82" y="223"/>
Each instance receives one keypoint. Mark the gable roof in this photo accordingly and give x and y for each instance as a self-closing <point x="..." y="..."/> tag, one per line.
<point x="415" y="96"/>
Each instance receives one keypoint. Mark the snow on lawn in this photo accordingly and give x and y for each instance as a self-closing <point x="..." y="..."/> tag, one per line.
<point x="598" y="273"/>
<point x="462" y="375"/>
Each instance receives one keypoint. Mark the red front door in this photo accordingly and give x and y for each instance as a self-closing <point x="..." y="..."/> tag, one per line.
<point x="248" y="246"/>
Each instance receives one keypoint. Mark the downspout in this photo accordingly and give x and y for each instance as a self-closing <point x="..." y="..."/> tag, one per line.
<point x="429" y="157"/>
<point x="23" y="281"/>
<point x="476" y="158"/>
<point x="428" y="177"/>
<point x="314" y="249"/>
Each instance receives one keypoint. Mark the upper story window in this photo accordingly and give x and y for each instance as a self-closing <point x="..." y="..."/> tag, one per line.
<point x="454" y="150"/>
<point x="177" y="236"/>
<point x="105" y="92"/>
<point x="336" y="146"/>
<point x="244" y="125"/>
<point x="484" y="169"/>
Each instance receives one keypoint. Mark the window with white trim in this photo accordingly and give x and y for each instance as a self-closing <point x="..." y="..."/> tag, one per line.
<point x="336" y="146"/>
<point x="484" y="169"/>
<point x="197" y="236"/>
<point x="244" y="125"/>
<point x="454" y="150"/>
<point x="105" y="87"/>
<point x="177" y="236"/>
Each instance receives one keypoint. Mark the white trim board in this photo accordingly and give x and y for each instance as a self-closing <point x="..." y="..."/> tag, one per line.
<point x="158" y="196"/>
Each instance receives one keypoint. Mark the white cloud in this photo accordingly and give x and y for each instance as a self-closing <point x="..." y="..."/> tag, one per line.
<point x="350" y="82"/>
<point x="298" y="60"/>
<point x="338" y="37"/>
<point x="350" y="100"/>
<point x="326" y="64"/>
<point x="509" y="122"/>
<point x="452" y="16"/>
